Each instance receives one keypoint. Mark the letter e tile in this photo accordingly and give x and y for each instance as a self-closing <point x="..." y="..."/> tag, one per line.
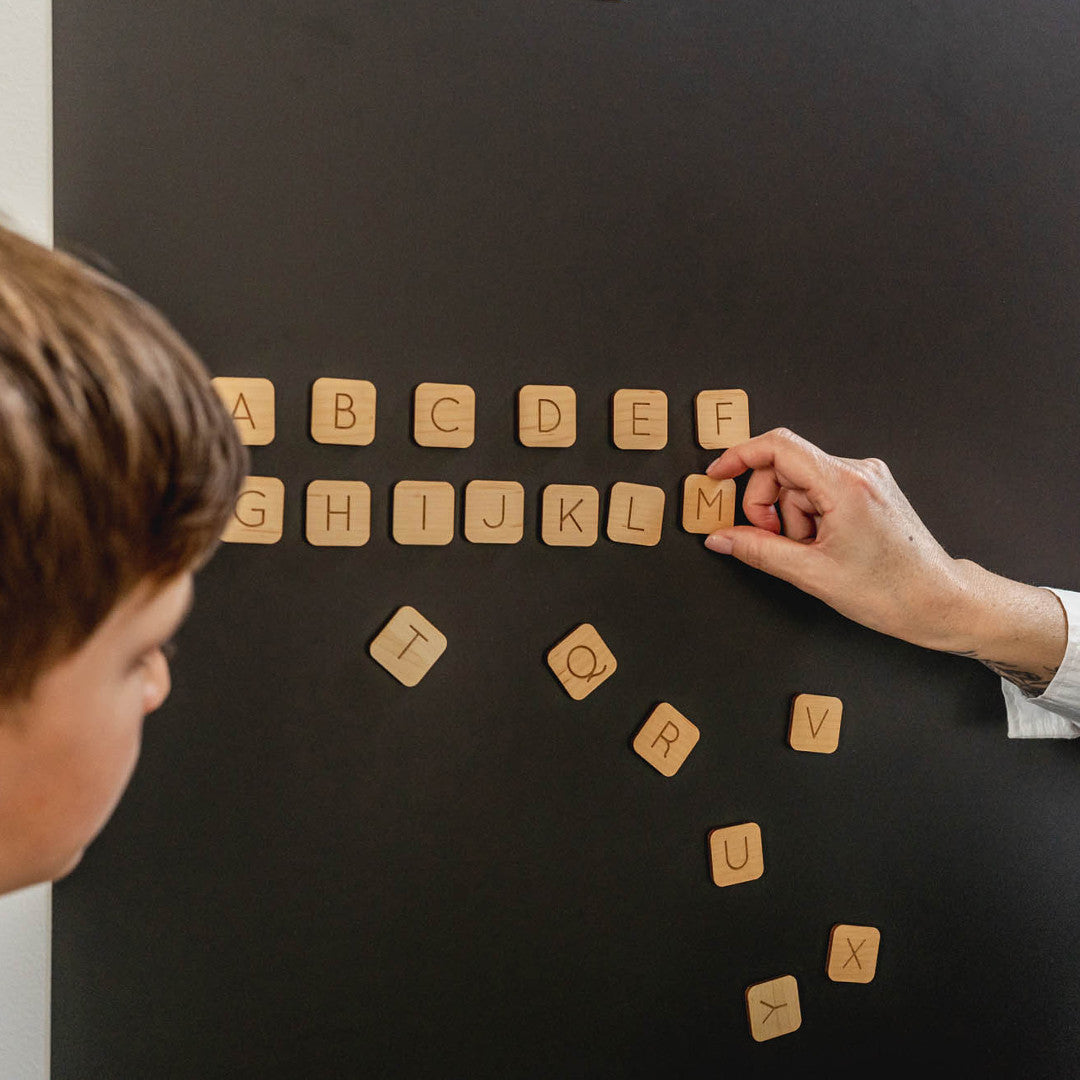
<point x="407" y="646"/>
<point x="259" y="512"/>
<point x="723" y="418"/>
<point x="666" y="739"/>
<point x="635" y="514"/>
<point x="853" y="953"/>
<point x="581" y="661"/>
<point x="639" y="419"/>
<point x="708" y="504"/>
<point x="815" y="723"/>
<point x="773" y="1008"/>
<point x="251" y="405"/>
<point x="736" y="854"/>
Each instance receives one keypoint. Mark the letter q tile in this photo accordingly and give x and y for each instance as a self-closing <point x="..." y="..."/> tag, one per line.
<point x="582" y="661"/>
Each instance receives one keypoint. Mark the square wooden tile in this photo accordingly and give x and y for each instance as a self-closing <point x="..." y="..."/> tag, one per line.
<point x="639" y="419"/>
<point x="570" y="515"/>
<point x="666" y="739"/>
<point x="423" y="512"/>
<point x="581" y="661"/>
<point x="723" y="418"/>
<point x="772" y="1008"/>
<point x="343" y="412"/>
<point x="708" y="504"/>
<point x="494" y="511"/>
<point x="338" y="513"/>
<point x="444" y="414"/>
<point x="635" y="514"/>
<point x="251" y="405"/>
<point x="547" y="415"/>
<point x="408" y="645"/>
<point x="853" y="953"/>
<point x="259" y="512"/>
<point x="815" y="723"/>
<point x="736" y="854"/>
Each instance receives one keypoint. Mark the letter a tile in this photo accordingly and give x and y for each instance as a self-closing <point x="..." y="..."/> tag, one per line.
<point x="407" y="646"/>
<point x="581" y="661"/>
<point x="773" y="1008"/>
<point x="666" y="739"/>
<point x="853" y="953"/>
<point x="815" y="723"/>
<point x="736" y="854"/>
<point x="251" y="405"/>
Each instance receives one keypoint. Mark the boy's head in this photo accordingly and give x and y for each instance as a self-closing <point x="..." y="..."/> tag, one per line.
<point x="119" y="468"/>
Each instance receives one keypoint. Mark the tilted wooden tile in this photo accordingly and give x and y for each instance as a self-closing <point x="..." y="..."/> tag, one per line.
<point x="815" y="723"/>
<point x="772" y="1008"/>
<point x="343" y="412"/>
<point x="251" y="405"/>
<point x="444" y="414"/>
<point x="570" y="516"/>
<point x="259" y="512"/>
<point x="666" y="739"/>
<point x="853" y="953"/>
<point x="639" y="419"/>
<point x="423" y="512"/>
<point x="494" y="511"/>
<point x="582" y="661"/>
<point x="408" y="645"/>
<point x="547" y="415"/>
<point x="723" y="418"/>
<point x="338" y="513"/>
<point x="635" y="514"/>
<point x="708" y="504"/>
<point x="736" y="854"/>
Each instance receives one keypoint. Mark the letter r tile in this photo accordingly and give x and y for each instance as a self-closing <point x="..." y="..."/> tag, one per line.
<point x="736" y="854"/>
<point x="815" y="723"/>
<point x="407" y="646"/>
<point x="772" y="1008"/>
<point x="581" y="661"/>
<point x="666" y="739"/>
<point x="853" y="953"/>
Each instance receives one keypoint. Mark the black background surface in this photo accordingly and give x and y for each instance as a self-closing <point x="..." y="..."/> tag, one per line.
<point x="863" y="213"/>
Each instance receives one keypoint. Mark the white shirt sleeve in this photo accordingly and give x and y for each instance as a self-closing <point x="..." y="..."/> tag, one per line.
<point x="1055" y="713"/>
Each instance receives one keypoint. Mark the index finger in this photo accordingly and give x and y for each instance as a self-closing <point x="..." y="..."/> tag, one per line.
<point x="796" y="463"/>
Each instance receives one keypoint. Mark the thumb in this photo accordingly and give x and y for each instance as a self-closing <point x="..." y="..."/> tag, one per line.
<point x="763" y="550"/>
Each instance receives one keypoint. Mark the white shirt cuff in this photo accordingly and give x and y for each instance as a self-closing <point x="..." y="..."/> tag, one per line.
<point x="1055" y="713"/>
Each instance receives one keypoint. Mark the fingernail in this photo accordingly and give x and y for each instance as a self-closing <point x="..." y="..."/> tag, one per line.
<point x="723" y="545"/>
<point x="711" y="464"/>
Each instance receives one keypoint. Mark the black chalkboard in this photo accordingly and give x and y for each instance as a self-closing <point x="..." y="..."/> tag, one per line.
<point x="865" y="215"/>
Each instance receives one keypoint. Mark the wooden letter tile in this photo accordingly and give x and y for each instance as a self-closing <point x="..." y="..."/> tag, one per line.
<point x="581" y="661"/>
<point x="338" y="513"/>
<point x="736" y="854"/>
<point x="635" y="514"/>
<point x="407" y="646"/>
<point x="853" y="953"/>
<point x="444" y="414"/>
<point x="570" y="515"/>
<point x="494" y="511"/>
<point x="815" y="723"/>
<point x="639" y="419"/>
<point x="773" y="1008"/>
<point x="259" y="513"/>
<point x="723" y="418"/>
<point x="423" y="512"/>
<point x="666" y="739"/>
<point x="343" y="411"/>
<point x="251" y="405"/>
<point x="708" y="504"/>
<point x="547" y="416"/>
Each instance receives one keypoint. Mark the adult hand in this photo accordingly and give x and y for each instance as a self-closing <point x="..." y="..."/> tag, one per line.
<point x="843" y="531"/>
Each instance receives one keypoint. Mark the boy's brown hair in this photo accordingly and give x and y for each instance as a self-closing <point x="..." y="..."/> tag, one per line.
<point x="118" y="461"/>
